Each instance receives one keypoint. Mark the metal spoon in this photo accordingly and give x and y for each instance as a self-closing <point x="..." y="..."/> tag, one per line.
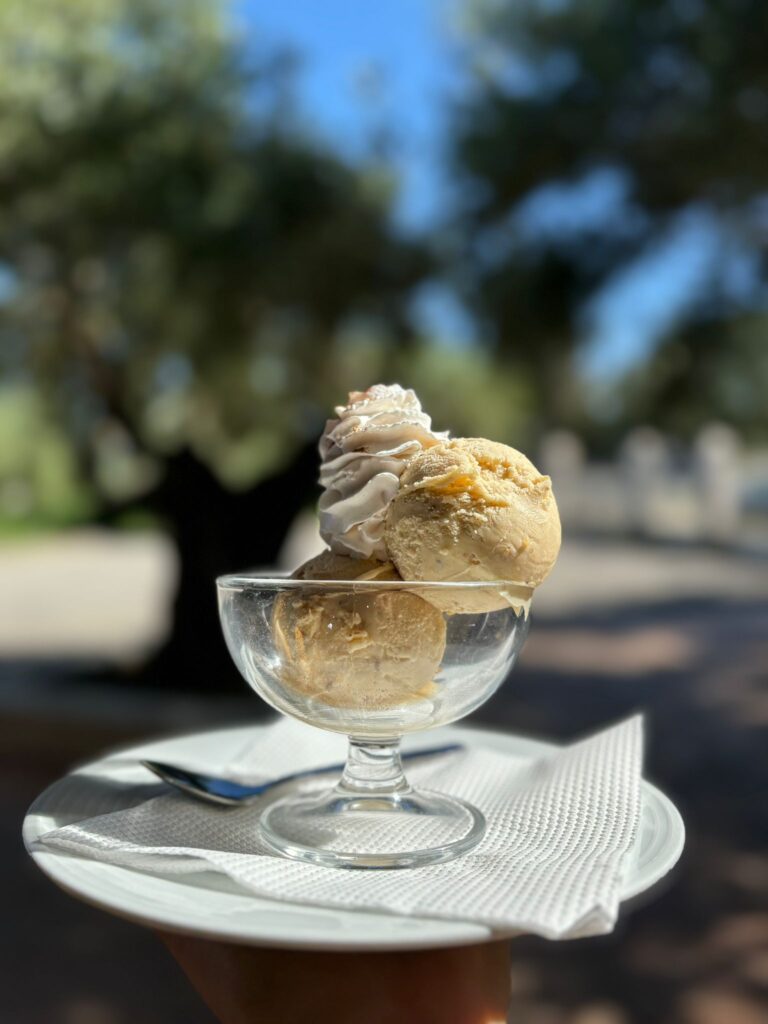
<point x="227" y="793"/>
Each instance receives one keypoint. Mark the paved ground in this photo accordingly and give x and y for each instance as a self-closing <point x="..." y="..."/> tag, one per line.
<point x="679" y="633"/>
<point x="96" y="595"/>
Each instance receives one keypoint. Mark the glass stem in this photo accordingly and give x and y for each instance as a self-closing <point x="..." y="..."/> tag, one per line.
<point x="373" y="768"/>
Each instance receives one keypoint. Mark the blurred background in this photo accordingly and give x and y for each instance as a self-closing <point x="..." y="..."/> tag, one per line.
<point x="550" y="218"/>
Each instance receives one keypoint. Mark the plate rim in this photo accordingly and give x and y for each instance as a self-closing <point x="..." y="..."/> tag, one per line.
<point x="57" y="866"/>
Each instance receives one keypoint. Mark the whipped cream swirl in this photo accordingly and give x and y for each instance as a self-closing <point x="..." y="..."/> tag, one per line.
<point x="363" y="454"/>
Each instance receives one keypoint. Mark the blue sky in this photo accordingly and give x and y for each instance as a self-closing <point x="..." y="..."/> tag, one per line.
<point x="364" y="64"/>
<point x="395" y="64"/>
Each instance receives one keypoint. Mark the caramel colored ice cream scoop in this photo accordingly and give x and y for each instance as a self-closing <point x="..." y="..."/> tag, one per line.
<point x="470" y="509"/>
<point x="374" y="649"/>
<point x="329" y="565"/>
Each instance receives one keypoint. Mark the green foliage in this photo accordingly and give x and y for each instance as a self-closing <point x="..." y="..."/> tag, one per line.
<point x="39" y="481"/>
<point x="669" y="96"/>
<point x="656" y="86"/>
<point x="722" y="366"/>
<point x="181" y="264"/>
<point x="466" y="391"/>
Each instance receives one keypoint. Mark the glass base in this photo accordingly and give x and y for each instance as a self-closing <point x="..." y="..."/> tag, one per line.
<point x="394" y="830"/>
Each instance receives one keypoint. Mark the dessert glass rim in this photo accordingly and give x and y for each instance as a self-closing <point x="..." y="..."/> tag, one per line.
<point x="258" y="578"/>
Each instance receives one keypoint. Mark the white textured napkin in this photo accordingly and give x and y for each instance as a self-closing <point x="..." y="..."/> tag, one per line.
<point x="551" y="861"/>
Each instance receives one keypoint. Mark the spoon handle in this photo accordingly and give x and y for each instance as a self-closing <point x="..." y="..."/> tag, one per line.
<point x="228" y="792"/>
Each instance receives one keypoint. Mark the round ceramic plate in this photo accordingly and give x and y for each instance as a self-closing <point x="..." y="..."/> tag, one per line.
<point x="212" y="905"/>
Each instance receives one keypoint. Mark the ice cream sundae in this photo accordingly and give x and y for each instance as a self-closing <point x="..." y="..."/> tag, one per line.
<point x="402" y="502"/>
<point x="410" y="619"/>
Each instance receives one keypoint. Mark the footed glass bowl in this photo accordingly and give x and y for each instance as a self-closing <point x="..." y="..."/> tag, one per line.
<point x="373" y="660"/>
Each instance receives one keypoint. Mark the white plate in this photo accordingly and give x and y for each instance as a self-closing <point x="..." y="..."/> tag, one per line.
<point x="212" y="905"/>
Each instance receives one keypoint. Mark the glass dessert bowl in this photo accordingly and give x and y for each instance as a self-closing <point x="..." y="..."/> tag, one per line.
<point x="372" y="659"/>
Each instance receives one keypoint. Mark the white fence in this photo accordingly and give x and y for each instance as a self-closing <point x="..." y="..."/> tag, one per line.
<point x="715" y="491"/>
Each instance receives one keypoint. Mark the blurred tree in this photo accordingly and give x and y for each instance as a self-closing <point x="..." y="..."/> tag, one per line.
<point x="38" y="475"/>
<point x="466" y="391"/>
<point x="720" y="367"/>
<point x="590" y="130"/>
<point x="179" y="264"/>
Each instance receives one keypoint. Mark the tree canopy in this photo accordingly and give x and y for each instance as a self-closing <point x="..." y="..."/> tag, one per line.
<point x="662" y="104"/>
<point x="180" y="263"/>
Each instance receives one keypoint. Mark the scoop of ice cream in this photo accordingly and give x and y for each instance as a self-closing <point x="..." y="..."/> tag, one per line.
<point x="329" y="565"/>
<point x="470" y="509"/>
<point x="374" y="649"/>
<point x="364" y="452"/>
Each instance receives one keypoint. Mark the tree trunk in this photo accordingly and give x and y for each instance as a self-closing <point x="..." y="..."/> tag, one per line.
<point x="215" y="532"/>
